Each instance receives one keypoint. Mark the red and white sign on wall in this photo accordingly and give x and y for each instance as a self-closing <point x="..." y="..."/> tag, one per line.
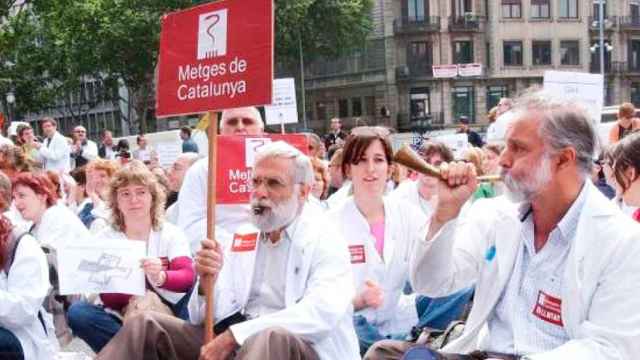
<point x="236" y="163"/>
<point x="216" y="56"/>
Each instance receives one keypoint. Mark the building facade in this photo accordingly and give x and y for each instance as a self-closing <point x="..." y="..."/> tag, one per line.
<point x="391" y="82"/>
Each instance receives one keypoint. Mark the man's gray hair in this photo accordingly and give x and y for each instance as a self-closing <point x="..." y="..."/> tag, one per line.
<point x="302" y="169"/>
<point x="565" y="123"/>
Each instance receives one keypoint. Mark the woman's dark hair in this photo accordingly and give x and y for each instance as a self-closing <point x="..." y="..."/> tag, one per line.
<point x="358" y="142"/>
<point x="626" y="155"/>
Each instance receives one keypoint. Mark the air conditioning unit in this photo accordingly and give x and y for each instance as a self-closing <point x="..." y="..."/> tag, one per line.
<point x="469" y="16"/>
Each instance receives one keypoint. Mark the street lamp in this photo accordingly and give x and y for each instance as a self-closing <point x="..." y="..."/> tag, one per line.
<point x="11" y="99"/>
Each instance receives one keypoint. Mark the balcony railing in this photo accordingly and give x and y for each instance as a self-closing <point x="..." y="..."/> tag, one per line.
<point x="623" y="67"/>
<point x="629" y="22"/>
<point x="610" y="23"/>
<point x="467" y="22"/>
<point x="613" y="67"/>
<point x="417" y="69"/>
<point x="416" y="24"/>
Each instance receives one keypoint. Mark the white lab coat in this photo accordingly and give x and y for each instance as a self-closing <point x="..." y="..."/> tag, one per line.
<point x="192" y="207"/>
<point x="56" y="156"/>
<point x="404" y="224"/>
<point x="409" y="192"/>
<point x="337" y="198"/>
<point x="600" y="299"/>
<point x="59" y="226"/>
<point x="318" y="291"/>
<point x="89" y="152"/>
<point x="21" y="295"/>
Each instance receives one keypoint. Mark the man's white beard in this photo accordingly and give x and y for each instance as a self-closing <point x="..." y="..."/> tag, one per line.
<point x="525" y="190"/>
<point x="274" y="216"/>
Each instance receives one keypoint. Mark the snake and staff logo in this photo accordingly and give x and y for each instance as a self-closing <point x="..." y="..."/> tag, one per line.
<point x="212" y="34"/>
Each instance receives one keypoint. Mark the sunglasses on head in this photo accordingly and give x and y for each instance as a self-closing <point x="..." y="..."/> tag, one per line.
<point x="370" y="131"/>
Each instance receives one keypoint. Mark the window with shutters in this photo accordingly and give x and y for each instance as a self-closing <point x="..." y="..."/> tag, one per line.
<point x="512" y="53"/>
<point x="540" y="9"/>
<point x="511" y="9"/>
<point x="541" y="52"/>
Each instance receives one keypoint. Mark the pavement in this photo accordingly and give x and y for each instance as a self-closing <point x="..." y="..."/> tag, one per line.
<point x="78" y="346"/>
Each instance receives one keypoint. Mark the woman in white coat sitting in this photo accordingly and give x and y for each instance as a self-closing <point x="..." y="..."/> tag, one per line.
<point x="136" y="201"/>
<point x="380" y="232"/>
<point x="26" y="330"/>
<point x="54" y="226"/>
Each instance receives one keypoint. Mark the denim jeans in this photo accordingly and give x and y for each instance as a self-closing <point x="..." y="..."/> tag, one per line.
<point x="435" y="313"/>
<point x="92" y="324"/>
<point x="10" y="348"/>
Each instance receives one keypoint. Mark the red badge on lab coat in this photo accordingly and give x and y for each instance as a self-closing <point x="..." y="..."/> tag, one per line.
<point x="548" y="308"/>
<point x="243" y="243"/>
<point x="357" y="254"/>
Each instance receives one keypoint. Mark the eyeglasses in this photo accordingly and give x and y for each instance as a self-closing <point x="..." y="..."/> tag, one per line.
<point x="271" y="184"/>
<point x="236" y="121"/>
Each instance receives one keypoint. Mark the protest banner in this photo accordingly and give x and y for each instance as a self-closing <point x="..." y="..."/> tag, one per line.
<point x="235" y="165"/>
<point x="587" y="88"/>
<point x="445" y="71"/>
<point x="110" y="266"/>
<point x="215" y="56"/>
<point x="283" y="109"/>
<point x="473" y="69"/>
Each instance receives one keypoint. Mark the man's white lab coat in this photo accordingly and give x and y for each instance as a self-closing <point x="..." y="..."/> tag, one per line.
<point x="600" y="303"/>
<point x="57" y="155"/>
<point x="318" y="291"/>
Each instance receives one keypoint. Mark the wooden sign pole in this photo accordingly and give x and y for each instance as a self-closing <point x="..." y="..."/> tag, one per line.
<point x="207" y="282"/>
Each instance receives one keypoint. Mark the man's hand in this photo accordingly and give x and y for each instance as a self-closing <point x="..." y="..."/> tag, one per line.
<point x="209" y="259"/>
<point x="458" y="185"/>
<point x="220" y="348"/>
<point x="371" y="296"/>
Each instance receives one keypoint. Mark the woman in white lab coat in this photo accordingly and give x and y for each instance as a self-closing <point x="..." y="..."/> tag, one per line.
<point x="26" y="330"/>
<point x="54" y="226"/>
<point x="380" y="232"/>
<point x="136" y="201"/>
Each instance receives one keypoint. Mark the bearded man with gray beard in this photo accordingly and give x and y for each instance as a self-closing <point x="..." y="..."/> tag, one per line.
<point x="556" y="268"/>
<point x="283" y="285"/>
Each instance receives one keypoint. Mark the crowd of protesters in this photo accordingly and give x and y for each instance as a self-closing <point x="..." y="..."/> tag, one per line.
<point x="340" y="253"/>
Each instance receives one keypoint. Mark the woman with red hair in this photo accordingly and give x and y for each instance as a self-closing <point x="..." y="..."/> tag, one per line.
<point x="26" y="330"/>
<point x="54" y="226"/>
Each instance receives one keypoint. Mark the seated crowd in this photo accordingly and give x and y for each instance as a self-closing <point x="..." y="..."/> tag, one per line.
<point x="340" y="253"/>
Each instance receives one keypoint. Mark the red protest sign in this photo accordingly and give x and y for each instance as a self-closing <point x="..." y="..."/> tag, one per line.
<point x="235" y="163"/>
<point x="216" y="56"/>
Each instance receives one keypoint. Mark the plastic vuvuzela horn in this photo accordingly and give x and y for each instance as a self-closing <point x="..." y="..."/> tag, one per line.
<point x="409" y="158"/>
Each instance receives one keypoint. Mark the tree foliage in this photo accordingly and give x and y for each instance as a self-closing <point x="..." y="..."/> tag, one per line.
<point x="51" y="46"/>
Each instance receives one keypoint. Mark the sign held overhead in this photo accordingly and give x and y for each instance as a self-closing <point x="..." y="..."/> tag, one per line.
<point x="284" y="109"/>
<point x="216" y="56"/>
